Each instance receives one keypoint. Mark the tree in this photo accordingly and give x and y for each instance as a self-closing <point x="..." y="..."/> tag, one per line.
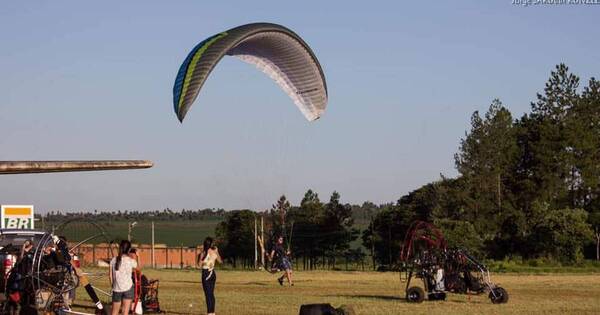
<point x="336" y="230"/>
<point x="386" y="232"/>
<point x="306" y="228"/>
<point x="278" y="216"/>
<point x="236" y="235"/>
<point x="594" y="220"/>
<point x="583" y="133"/>
<point x="553" y="162"/>
<point x="559" y="234"/>
<point x="486" y="159"/>
<point x="461" y="234"/>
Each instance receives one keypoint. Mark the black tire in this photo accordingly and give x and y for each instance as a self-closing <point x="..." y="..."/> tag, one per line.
<point x="499" y="296"/>
<point x="415" y="295"/>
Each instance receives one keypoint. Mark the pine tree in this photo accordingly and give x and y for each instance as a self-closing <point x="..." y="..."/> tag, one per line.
<point x="486" y="159"/>
<point x="553" y="168"/>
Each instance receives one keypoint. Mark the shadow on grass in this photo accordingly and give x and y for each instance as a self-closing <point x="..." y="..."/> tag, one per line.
<point x="368" y="296"/>
<point x="256" y="283"/>
<point x="180" y="281"/>
<point x="465" y="302"/>
<point x="403" y="299"/>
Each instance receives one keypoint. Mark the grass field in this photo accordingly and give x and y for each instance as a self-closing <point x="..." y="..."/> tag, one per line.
<point x="172" y="233"/>
<point x="256" y="292"/>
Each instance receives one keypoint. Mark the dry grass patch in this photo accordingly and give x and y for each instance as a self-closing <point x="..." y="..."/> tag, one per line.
<point x="241" y="292"/>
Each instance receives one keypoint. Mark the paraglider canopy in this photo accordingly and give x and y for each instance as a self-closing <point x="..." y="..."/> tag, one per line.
<point x="272" y="48"/>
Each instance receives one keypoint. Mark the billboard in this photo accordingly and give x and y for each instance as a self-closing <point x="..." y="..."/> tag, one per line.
<point x="17" y="217"/>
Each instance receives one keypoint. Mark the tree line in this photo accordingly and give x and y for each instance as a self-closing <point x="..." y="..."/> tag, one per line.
<point x="129" y="215"/>
<point x="317" y="233"/>
<point x="528" y="187"/>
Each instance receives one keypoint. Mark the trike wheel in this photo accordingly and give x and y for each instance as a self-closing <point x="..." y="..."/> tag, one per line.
<point x="415" y="295"/>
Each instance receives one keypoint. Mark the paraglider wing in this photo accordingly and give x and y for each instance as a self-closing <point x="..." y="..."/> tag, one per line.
<point x="272" y="48"/>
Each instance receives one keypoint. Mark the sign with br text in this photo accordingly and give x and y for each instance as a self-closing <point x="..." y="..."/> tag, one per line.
<point x="17" y="217"/>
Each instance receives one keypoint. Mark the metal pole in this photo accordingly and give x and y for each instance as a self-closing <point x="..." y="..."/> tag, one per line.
<point x="25" y="167"/>
<point x="181" y="257"/>
<point x="262" y="237"/>
<point x="131" y="225"/>
<point x="372" y="245"/>
<point x="153" y="258"/>
<point x="390" y="245"/>
<point x="255" y="248"/>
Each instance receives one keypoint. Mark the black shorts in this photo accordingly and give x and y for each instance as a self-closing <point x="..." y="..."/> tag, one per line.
<point x="126" y="295"/>
<point x="284" y="264"/>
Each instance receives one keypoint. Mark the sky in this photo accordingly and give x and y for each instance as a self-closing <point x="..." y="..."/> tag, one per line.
<point x="93" y="80"/>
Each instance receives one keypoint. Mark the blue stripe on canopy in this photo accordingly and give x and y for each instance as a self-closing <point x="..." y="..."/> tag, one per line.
<point x="178" y="87"/>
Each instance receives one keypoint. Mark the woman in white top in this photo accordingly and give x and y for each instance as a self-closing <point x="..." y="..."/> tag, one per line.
<point x="120" y="271"/>
<point x="208" y="258"/>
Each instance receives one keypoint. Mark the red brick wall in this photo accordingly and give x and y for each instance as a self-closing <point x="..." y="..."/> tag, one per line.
<point x="166" y="257"/>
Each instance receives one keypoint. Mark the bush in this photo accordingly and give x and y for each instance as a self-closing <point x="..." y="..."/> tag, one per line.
<point x="561" y="234"/>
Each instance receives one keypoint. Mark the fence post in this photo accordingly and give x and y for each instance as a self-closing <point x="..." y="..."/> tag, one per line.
<point x="262" y="237"/>
<point x="255" y="247"/>
<point x="153" y="258"/>
<point x="93" y="254"/>
<point x="181" y="257"/>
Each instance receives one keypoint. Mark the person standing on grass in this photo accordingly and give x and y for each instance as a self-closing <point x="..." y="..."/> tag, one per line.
<point x="120" y="271"/>
<point x="280" y="256"/>
<point x="207" y="259"/>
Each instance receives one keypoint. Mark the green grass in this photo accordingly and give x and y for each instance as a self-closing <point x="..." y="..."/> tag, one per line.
<point x="537" y="266"/>
<point x="172" y="233"/>
<point x="188" y="233"/>
<point x="256" y="292"/>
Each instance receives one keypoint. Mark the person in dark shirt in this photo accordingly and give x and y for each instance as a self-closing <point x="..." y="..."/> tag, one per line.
<point x="56" y="254"/>
<point x="26" y="261"/>
<point x="16" y="286"/>
<point x="64" y="255"/>
<point x="280" y="256"/>
<point x="51" y="259"/>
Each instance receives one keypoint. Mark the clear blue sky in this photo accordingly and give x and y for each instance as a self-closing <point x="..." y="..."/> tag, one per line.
<point x="93" y="80"/>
